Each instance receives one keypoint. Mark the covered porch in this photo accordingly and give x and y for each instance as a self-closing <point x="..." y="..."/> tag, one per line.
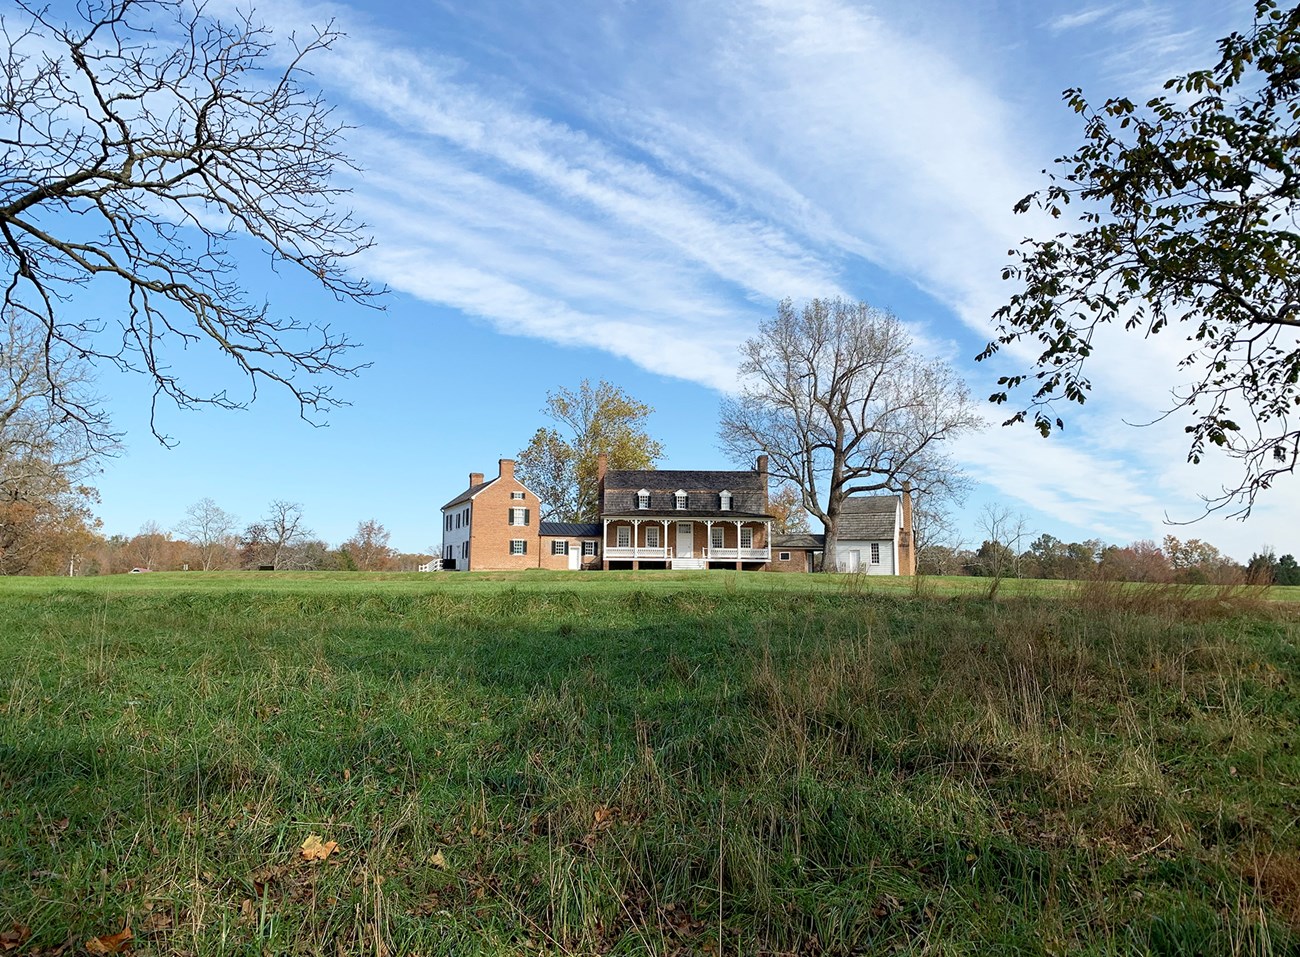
<point x="673" y="542"/>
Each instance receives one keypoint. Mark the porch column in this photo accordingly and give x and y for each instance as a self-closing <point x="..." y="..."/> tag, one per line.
<point x="667" y="553"/>
<point x="708" y="538"/>
<point x="604" y="544"/>
<point x="767" y="540"/>
<point x="740" y="561"/>
<point x="636" y="532"/>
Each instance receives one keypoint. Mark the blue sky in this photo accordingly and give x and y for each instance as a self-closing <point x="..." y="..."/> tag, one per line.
<point x="623" y="190"/>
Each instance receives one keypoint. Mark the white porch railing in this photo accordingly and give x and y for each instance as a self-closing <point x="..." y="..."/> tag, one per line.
<point x="614" y="553"/>
<point x="741" y="554"/>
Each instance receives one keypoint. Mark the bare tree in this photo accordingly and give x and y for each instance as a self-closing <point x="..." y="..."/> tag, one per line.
<point x="276" y="540"/>
<point x="285" y="532"/>
<point x="999" y="554"/>
<point x="140" y="142"/>
<point x="838" y="398"/>
<point x="935" y="534"/>
<point x="210" y="529"/>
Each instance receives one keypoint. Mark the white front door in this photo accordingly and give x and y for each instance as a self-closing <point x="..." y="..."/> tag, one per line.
<point x="685" y="540"/>
<point x="854" y="561"/>
<point x="575" y="556"/>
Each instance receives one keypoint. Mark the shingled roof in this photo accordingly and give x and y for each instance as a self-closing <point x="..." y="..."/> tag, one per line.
<point x="748" y="496"/>
<point x="799" y="540"/>
<point x="470" y="492"/>
<point x="570" y="529"/>
<point x="867" y="517"/>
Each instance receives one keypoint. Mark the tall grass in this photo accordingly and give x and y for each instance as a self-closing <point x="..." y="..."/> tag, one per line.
<point x="651" y="768"/>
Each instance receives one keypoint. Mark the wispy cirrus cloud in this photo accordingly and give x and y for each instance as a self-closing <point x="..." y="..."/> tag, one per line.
<point x="1072" y="21"/>
<point x="657" y="209"/>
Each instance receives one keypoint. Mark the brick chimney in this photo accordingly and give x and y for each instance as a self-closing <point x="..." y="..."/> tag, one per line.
<point x="506" y="468"/>
<point x="906" y="540"/>
<point x="475" y="478"/>
<point x="602" y="466"/>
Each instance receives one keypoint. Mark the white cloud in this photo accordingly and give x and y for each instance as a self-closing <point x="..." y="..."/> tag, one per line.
<point x="1072" y="21"/>
<point x="787" y="143"/>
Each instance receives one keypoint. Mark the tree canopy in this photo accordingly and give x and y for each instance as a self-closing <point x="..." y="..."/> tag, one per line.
<point x="142" y="142"/>
<point x="560" y="464"/>
<point x="1187" y="211"/>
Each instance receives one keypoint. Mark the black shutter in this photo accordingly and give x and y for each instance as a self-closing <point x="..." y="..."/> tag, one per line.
<point x="525" y="546"/>
<point x="527" y="512"/>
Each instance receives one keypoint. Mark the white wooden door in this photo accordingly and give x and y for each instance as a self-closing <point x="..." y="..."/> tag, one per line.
<point x="854" y="561"/>
<point x="575" y="556"/>
<point x="685" y="540"/>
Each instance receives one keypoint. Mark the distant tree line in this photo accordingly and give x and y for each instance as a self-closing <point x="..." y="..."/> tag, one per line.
<point x="1190" y="561"/>
<point x="209" y="538"/>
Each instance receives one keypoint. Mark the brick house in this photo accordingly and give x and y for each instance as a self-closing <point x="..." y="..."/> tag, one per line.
<point x="494" y="526"/>
<point x="666" y="518"/>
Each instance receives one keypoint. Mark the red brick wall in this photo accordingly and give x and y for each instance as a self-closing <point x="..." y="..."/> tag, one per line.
<point x="798" y="561"/>
<point x="491" y="533"/>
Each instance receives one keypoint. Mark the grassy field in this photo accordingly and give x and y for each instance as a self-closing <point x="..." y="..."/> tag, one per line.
<point x="656" y="763"/>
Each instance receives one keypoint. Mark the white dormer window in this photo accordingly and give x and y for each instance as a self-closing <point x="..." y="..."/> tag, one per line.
<point x="643" y="498"/>
<point x="680" y="495"/>
<point x="725" y="500"/>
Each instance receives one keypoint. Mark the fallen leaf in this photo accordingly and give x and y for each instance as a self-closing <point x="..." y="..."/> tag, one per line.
<point x="15" y="936"/>
<point x="603" y="814"/>
<point x="314" y="850"/>
<point x="438" y="861"/>
<point x="111" y="944"/>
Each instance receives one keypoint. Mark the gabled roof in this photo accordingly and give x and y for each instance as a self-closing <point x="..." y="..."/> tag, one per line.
<point x="469" y="493"/>
<point x="570" y="529"/>
<point x="703" y="490"/>
<point x="867" y="517"/>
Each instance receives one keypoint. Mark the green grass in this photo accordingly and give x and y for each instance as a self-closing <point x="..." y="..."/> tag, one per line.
<point x="657" y="763"/>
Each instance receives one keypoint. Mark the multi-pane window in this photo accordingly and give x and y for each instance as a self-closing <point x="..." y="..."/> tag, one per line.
<point x="725" y="501"/>
<point x="715" y="537"/>
<point x="875" y="553"/>
<point x="518" y="546"/>
<point x="458" y="519"/>
<point x="624" y="533"/>
<point x="652" y="536"/>
<point x="559" y="548"/>
<point x="746" y="538"/>
<point x="680" y="496"/>
<point x="588" y="548"/>
<point x="519" y="516"/>
<point x="643" y="498"/>
<point x="516" y="496"/>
